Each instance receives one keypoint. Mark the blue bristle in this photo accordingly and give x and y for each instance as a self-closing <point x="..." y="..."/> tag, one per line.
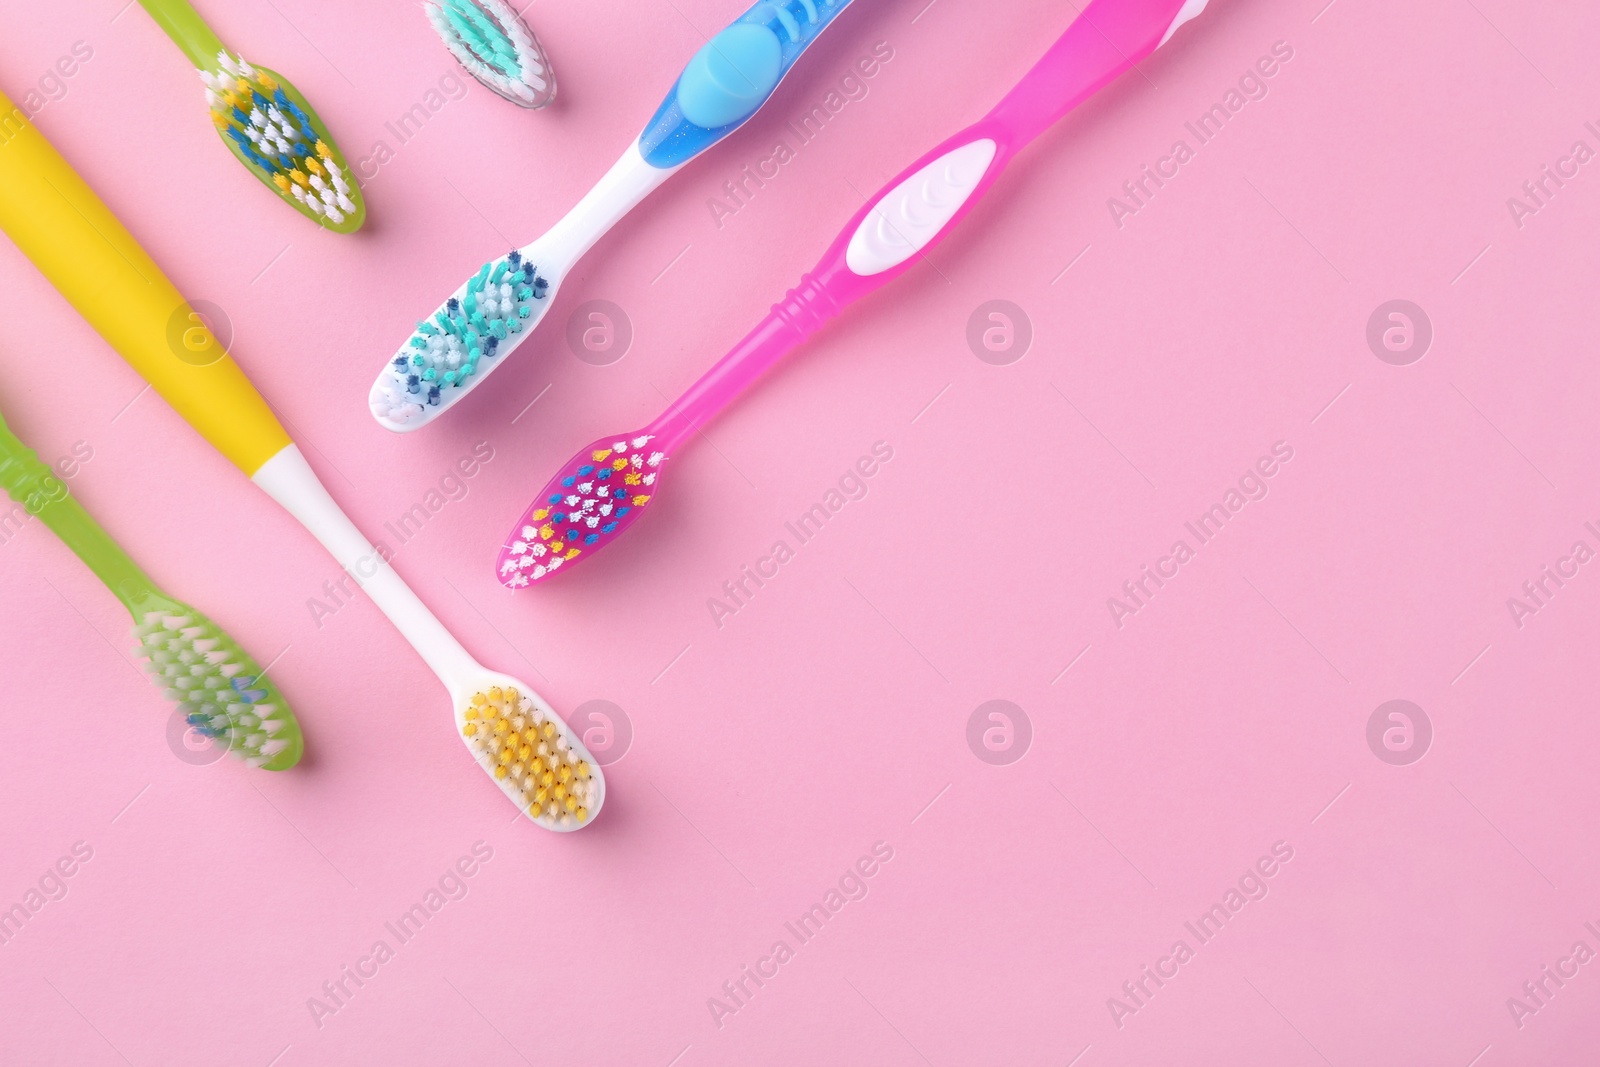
<point x="591" y="539"/>
<point x="586" y="470"/>
<point x="608" y="527"/>
<point x="556" y="499"/>
<point x="623" y="511"/>
<point x="560" y="516"/>
<point x="605" y="472"/>
<point x="569" y="481"/>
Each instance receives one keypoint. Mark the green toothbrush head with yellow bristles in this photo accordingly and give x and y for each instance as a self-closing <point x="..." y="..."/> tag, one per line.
<point x="267" y="124"/>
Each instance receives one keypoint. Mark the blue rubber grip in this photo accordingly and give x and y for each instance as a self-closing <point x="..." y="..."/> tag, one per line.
<point x="732" y="76"/>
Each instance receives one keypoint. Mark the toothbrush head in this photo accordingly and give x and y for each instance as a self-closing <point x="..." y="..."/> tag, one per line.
<point x="593" y="500"/>
<point x="496" y="47"/>
<point x="269" y="126"/>
<point x="450" y="353"/>
<point x="535" y="758"/>
<point x="221" y="691"/>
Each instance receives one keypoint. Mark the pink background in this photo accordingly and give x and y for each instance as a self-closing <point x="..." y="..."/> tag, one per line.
<point x="831" y="712"/>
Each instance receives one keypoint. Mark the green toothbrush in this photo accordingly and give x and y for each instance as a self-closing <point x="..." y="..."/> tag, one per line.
<point x="266" y="123"/>
<point x="200" y="669"/>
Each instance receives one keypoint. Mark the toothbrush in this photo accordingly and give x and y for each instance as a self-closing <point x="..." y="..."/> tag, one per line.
<point x="266" y="123"/>
<point x="454" y="350"/>
<point x="79" y="245"/>
<point x="603" y="490"/>
<point x="221" y="691"/>
<point x="495" y="46"/>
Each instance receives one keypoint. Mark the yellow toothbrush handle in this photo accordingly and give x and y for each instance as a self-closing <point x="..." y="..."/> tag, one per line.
<point x="78" y="244"/>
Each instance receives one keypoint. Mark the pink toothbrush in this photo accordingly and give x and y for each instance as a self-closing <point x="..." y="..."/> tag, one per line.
<point x="603" y="490"/>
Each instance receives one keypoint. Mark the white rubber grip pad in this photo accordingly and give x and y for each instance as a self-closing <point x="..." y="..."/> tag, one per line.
<point x="913" y="213"/>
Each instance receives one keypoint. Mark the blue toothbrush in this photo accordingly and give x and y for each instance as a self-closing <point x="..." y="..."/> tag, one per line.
<point x="726" y="82"/>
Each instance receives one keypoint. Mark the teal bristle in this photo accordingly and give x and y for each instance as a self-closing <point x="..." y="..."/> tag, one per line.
<point x="492" y="42"/>
<point x="445" y="352"/>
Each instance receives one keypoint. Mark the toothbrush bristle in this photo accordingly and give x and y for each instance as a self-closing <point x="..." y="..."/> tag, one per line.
<point x="482" y="323"/>
<point x="596" y="497"/>
<point x="280" y="139"/>
<point x="496" y="47"/>
<point x="221" y="691"/>
<point x="528" y="754"/>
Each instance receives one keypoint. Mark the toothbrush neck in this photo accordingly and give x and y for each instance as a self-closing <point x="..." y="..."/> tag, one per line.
<point x="36" y="487"/>
<point x="187" y="30"/>
<point x="622" y="188"/>
<point x="1109" y="38"/>
<point x="802" y="312"/>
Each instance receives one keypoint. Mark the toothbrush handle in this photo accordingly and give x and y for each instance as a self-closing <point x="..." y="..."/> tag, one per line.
<point x="730" y="78"/>
<point x="726" y="83"/>
<point x="35" y="486"/>
<point x="917" y="209"/>
<point x="89" y="256"/>
<point x="1108" y="39"/>
<point x="187" y="30"/>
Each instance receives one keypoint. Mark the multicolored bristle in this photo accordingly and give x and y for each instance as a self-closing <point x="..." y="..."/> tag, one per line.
<point x="596" y="497"/>
<point x="223" y="694"/>
<point x="262" y="120"/>
<point x="530" y="756"/>
<point x="483" y="321"/>
<point x="496" y="47"/>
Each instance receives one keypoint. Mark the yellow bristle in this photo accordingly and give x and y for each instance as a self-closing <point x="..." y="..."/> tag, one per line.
<point x="619" y="463"/>
<point x="572" y="803"/>
<point x="266" y="82"/>
<point x="500" y="772"/>
<point x="545" y="531"/>
<point x="323" y="150"/>
<point x="582" y="813"/>
<point x="583" y="769"/>
<point x="601" y="454"/>
<point x="571" y="553"/>
<point x="640" y="501"/>
<point x="471" y="729"/>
